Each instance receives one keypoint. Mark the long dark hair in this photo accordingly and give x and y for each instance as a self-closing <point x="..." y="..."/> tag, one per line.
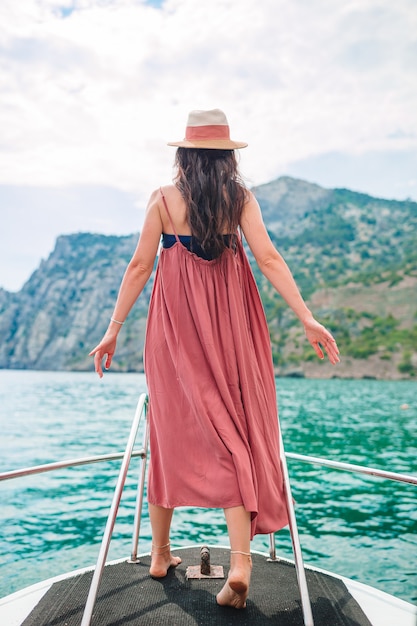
<point x="210" y="183"/>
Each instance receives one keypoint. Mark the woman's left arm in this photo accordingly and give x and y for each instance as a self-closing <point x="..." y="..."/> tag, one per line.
<point x="135" y="278"/>
<point x="275" y="269"/>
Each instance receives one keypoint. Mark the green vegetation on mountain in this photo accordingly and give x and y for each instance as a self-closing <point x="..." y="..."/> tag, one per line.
<point x="345" y="240"/>
<point x="354" y="258"/>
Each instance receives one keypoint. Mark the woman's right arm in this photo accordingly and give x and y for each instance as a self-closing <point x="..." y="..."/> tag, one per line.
<point x="275" y="269"/>
<point x="135" y="278"/>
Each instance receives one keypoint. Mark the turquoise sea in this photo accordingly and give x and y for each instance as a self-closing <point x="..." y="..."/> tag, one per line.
<point x="357" y="526"/>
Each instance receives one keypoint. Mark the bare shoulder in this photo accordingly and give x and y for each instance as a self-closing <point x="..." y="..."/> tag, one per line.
<point x="249" y="196"/>
<point x="177" y="210"/>
<point x="155" y="201"/>
<point x="170" y="191"/>
<point x="255" y="231"/>
<point x="251" y="210"/>
<point x="166" y="190"/>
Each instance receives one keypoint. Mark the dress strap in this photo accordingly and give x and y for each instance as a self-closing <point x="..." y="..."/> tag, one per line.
<point x="169" y="215"/>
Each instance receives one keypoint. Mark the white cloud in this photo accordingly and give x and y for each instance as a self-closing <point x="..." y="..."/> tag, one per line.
<point x="91" y="90"/>
<point x="94" y="96"/>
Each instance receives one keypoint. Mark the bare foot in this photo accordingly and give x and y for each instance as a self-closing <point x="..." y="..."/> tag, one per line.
<point x="161" y="563"/>
<point x="236" y="588"/>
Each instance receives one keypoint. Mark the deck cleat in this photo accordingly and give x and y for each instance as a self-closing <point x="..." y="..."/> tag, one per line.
<point x="205" y="569"/>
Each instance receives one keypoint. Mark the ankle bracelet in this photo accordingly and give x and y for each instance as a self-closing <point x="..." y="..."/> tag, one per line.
<point x="160" y="549"/>
<point x="240" y="552"/>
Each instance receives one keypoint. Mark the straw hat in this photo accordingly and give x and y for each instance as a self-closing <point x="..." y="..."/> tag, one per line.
<point x="208" y="129"/>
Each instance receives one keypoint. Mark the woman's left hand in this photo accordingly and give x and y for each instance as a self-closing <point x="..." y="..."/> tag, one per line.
<point x="320" y="338"/>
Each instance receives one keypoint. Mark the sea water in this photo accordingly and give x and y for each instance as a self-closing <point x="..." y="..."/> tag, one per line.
<point x="357" y="526"/>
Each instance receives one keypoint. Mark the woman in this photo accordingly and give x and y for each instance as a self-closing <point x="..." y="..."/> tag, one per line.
<point x="212" y="404"/>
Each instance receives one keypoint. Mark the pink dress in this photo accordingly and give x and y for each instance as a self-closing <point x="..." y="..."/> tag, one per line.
<point x="212" y="400"/>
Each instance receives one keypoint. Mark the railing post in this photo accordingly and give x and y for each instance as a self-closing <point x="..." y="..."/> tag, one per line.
<point x="140" y="494"/>
<point x="272" y="548"/>
<point x="105" y="543"/>
<point x="298" y="557"/>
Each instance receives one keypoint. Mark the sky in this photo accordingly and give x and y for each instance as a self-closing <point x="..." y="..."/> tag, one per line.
<point x="92" y="90"/>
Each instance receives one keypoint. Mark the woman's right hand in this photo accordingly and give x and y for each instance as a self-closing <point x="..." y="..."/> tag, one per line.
<point x="106" y="348"/>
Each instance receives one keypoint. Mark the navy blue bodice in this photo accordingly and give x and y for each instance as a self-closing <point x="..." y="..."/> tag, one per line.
<point x="191" y="243"/>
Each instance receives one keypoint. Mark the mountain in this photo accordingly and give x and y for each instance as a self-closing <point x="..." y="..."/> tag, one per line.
<point x="63" y="309"/>
<point x="353" y="256"/>
<point x="355" y="260"/>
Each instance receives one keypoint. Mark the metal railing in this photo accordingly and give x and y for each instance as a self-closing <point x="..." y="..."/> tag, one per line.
<point x="314" y="460"/>
<point x="349" y="467"/>
<point x="295" y="540"/>
<point x="105" y="543"/>
<point x="296" y="545"/>
<point x="130" y="453"/>
<point x="107" y="535"/>
<point x="51" y="467"/>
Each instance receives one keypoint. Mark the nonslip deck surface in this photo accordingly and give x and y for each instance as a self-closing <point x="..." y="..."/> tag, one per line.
<point x="129" y="596"/>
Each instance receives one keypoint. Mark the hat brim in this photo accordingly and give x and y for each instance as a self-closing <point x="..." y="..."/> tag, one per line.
<point x="211" y="144"/>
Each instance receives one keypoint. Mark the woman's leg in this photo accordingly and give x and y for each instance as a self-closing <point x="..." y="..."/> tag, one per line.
<point x="162" y="558"/>
<point x="236" y="588"/>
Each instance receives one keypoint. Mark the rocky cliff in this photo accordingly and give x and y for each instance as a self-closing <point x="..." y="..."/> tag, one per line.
<point x="354" y="257"/>
<point x="62" y="310"/>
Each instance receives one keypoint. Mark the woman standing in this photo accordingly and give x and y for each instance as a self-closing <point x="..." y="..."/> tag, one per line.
<point x="212" y="403"/>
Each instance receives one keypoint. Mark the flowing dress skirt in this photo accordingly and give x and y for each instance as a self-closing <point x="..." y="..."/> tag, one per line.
<point x="212" y="401"/>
